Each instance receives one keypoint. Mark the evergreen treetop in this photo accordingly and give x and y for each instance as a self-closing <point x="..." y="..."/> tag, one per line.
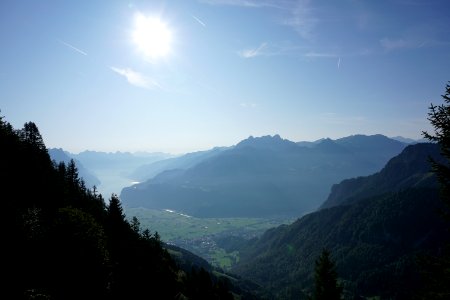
<point x="325" y="277"/>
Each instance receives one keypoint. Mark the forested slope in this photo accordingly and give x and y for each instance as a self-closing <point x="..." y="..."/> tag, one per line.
<point x="61" y="241"/>
<point x="376" y="239"/>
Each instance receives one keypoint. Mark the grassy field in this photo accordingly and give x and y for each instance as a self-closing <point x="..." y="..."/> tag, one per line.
<point x="174" y="226"/>
<point x="223" y="259"/>
<point x="197" y="234"/>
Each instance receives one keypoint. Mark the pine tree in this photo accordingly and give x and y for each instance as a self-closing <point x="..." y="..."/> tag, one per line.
<point x="31" y="135"/>
<point x="439" y="117"/>
<point x="438" y="268"/>
<point x="136" y="225"/>
<point x="115" y="210"/>
<point x="72" y="173"/>
<point x="326" y="286"/>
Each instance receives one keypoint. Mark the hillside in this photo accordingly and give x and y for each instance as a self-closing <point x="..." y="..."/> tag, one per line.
<point x="59" y="155"/>
<point x="63" y="242"/>
<point x="411" y="169"/>
<point x="262" y="177"/>
<point x="375" y="240"/>
<point x="150" y="170"/>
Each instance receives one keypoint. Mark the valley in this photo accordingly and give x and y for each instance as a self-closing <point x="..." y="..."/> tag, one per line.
<point x="225" y="149"/>
<point x="202" y="236"/>
<point x="213" y="202"/>
<point x="265" y="208"/>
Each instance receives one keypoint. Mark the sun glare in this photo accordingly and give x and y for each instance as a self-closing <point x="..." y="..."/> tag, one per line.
<point x="152" y="36"/>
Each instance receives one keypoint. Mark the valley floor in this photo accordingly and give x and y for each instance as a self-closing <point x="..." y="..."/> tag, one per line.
<point x="206" y="237"/>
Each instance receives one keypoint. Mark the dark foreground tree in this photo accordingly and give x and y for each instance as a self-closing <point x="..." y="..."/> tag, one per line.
<point x="325" y="277"/>
<point x="439" y="117"/>
<point x="437" y="268"/>
<point x="61" y="241"/>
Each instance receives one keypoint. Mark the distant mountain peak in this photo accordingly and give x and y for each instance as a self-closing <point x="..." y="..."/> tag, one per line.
<point x="330" y="146"/>
<point x="365" y="136"/>
<point x="266" y="141"/>
<point x="376" y="141"/>
<point x="264" y="137"/>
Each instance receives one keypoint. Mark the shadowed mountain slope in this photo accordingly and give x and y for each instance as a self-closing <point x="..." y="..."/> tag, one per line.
<point x="264" y="176"/>
<point x="376" y="238"/>
<point x="411" y="169"/>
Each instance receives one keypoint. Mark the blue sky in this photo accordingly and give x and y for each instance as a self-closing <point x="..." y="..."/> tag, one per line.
<point x="234" y="68"/>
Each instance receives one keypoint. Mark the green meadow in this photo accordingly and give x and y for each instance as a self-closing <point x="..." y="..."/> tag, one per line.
<point x="198" y="234"/>
<point x="173" y="225"/>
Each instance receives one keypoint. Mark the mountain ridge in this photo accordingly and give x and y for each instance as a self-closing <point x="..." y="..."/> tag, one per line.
<point x="411" y="169"/>
<point x="246" y="178"/>
<point x="375" y="238"/>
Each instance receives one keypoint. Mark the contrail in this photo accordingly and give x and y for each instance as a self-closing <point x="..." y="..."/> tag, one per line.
<point x="199" y="21"/>
<point x="339" y="63"/>
<point x="72" y="47"/>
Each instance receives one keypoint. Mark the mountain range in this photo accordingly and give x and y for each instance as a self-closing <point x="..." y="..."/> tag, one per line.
<point x="150" y="170"/>
<point x="59" y="155"/>
<point x="96" y="160"/>
<point x="377" y="228"/>
<point x="108" y="171"/>
<point x="259" y="177"/>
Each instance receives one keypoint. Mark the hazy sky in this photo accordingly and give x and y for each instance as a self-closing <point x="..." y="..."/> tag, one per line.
<point x="180" y="76"/>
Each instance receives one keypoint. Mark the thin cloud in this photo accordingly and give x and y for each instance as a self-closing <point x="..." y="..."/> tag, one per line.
<point x="411" y="42"/>
<point x="297" y="14"/>
<point x="277" y="49"/>
<point x="136" y="79"/>
<point x="249" y="53"/>
<point x="320" y="55"/>
<point x="198" y="21"/>
<point x="248" y="105"/>
<point x="243" y="3"/>
<point x="393" y="44"/>
<point x="339" y="63"/>
<point x="405" y="43"/>
<point x="73" y="47"/>
<point x="301" y="18"/>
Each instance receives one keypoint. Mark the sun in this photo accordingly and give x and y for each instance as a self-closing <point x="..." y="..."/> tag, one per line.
<point x="152" y="36"/>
